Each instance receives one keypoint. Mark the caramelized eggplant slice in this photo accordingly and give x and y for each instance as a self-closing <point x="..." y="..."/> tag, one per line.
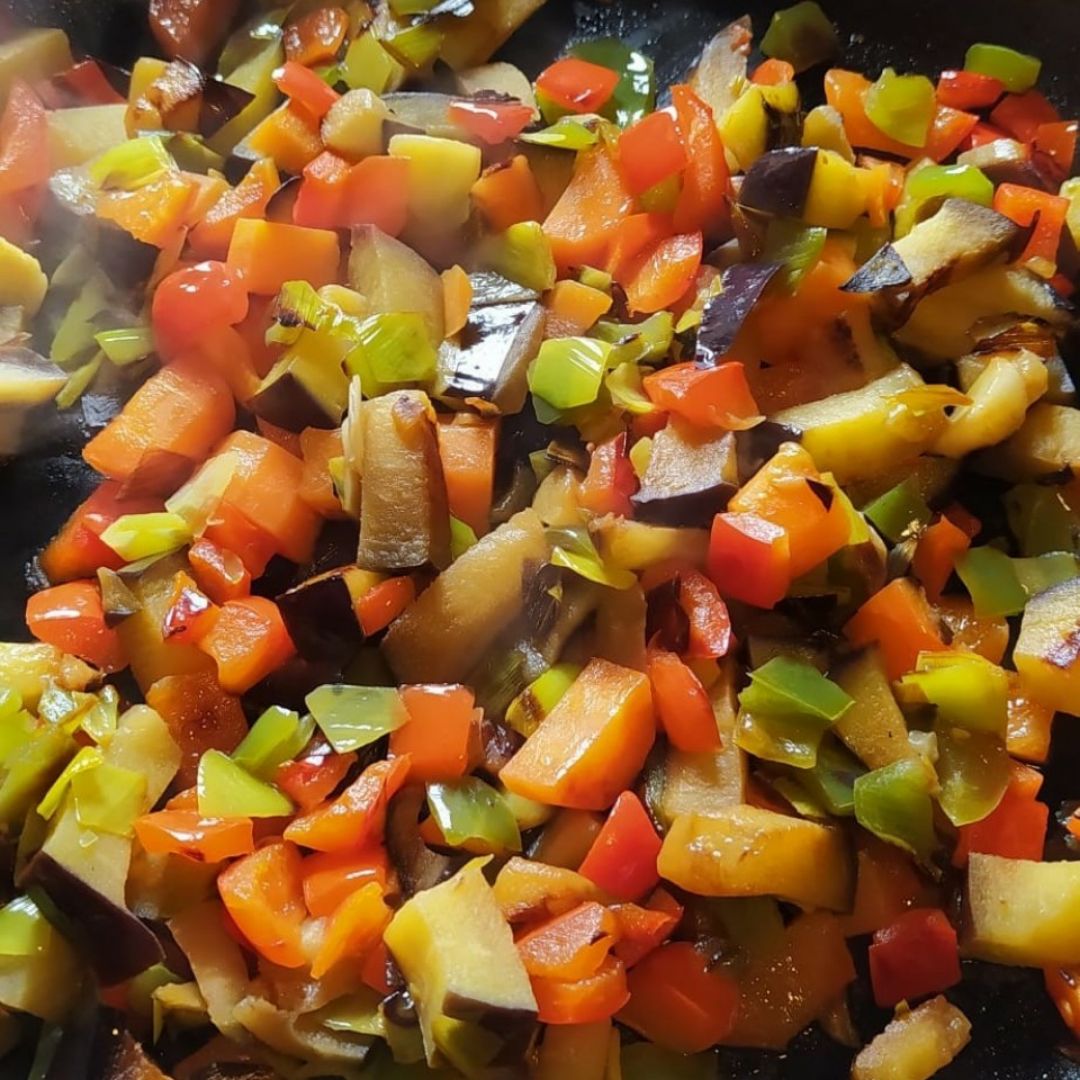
<point x="404" y="517"/>
<point x="445" y="631"/>
<point x="741" y="287"/>
<point x="492" y="356"/>
<point x="720" y="73"/>
<point x="299" y="393"/>
<point x="1007" y="161"/>
<point x="690" y="477"/>
<point x="778" y="182"/>
<point x="319" y="616"/>
<point x="961" y="238"/>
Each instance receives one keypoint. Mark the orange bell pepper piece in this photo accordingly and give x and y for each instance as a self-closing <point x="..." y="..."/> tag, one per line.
<point x="622" y="859"/>
<point x="772" y="72"/>
<point x="187" y="833"/>
<point x="304" y="88"/>
<point x="71" y="617"/>
<point x="438" y="736"/>
<point x="1015" y="828"/>
<point x="383" y="603"/>
<point x="270" y="253"/>
<point x="356" y="925"/>
<point x="1063" y="986"/>
<point x="507" y="192"/>
<point x="200" y="716"/>
<point x="230" y="530"/>
<point x="584" y="1001"/>
<point x="643" y="929"/>
<point x="156" y="213"/>
<point x="632" y="240"/>
<point x="682" y="704"/>
<point x="356" y="818"/>
<point x="211" y="236"/>
<point x="1021" y="115"/>
<point x="788" y="491"/>
<point x="247" y="642"/>
<point x="573" y="309"/>
<point x="24" y="141"/>
<point x="180" y="409"/>
<point x="332" y="876"/>
<point x="76" y="551"/>
<point x="310" y="779"/>
<point x="703" y="201"/>
<point x="716" y="397"/>
<point x="263" y="894"/>
<point x="570" y="946"/>
<point x="611" y="479"/>
<point x="265" y="489"/>
<point x="936" y="554"/>
<point x="677" y="1002"/>
<point x="318" y="447"/>
<point x="899" y="621"/>
<point x="1045" y="212"/>
<point x="582" y="223"/>
<point x="467" y="453"/>
<point x="591" y="745"/>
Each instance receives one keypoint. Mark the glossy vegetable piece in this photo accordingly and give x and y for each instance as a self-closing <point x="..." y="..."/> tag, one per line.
<point x="678" y="1001"/>
<point x="404" y="520"/>
<point x="899" y="621"/>
<point x="622" y="859"/>
<point x="1016" y="70"/>
<point x="1046" y="653"/>
<point x="71" y="617"/>
<point x="470" y="814"/>
<point x="247" y="642"/>
<point x="681" y="703"/>
<point x="1015" y="828"/>
<point x="258" y="248"/>
<point x="456" y="952"/>
<point x="592" y="743"/>
<point x="446" y="630"/>
<point x="919" y="1042"/>
<point x="747" y="851"/>
<point x="915" y="956"/>
<point x="802" y="35"/>
<point x="186" y="832"/>
<point x="717" y="397"/>
<point x="873" y="728"/>
<point x="181" y="410"/>
<point x="438" y="734"/>
<point x="570" y="946"/>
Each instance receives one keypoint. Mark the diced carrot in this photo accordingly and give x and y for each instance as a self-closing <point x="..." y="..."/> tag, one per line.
<point x="211" y="236"/>
<point x="289" y="136"/>
<point x="438" y="734"/>
<point x="287" y="440"/>
<point x="319" y="447"/>
<point x="467" y="452"/>
<point x="269" y="254"/>
<point x="354" y="928"/>
<point x="573" y="309"/>
<point x="155" y="213"/>
<point x="507" y="193"/>
<point x="383" y="603"/>
<point x="247" y="642"/>
<point x="180" y="409"/>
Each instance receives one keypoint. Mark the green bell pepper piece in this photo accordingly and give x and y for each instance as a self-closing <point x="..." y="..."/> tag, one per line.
<point x="797" y="247"/>
<point x="966" y="690"/>
<point x="225" y="789"/>
<point x="470" y="812"/>
<point x="926" y="187"/>
<point x="802" y="35"/>
<point x="902" y="106"/>
<point x="894" y="803"/>
<point x="898" y="509"/>
<point x="832" y="779"/>
<point x="973" y="771"/>
<point x="354" y="716"/>
<point x="279" y="735"/>
<point x="990" y="577"/>
<point x="1017" y="70"/>
<point x="786" y="685"/>
<point x="1041" y="520"/>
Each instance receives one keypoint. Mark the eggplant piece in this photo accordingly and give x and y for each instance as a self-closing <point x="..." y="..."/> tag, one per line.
<point x="320" y="618"/>
<point x="417" y="866"/>
<point x="491" y="358"/>
<point x="690" y="477"/>
<point x="961" y="238"/>
<point x="944" y="324"/>
<point x="778" y="182"/>
<point x="457" y="954"/>
<point x="117" y="600"/>
<point x="87" y="883"/>
<point x="445" y="631"/>
<point x="1007" y="161"/>
<point x="26" y="378"/>
<point x="490" y="287"/>
<point x="404" y="517"/>
<point x="758" y="444"/>
<point x="299" y="392"/>
<point x="393" y="278"/>
<point x="1047" y="443"/>
<point x="720" y="73"/>
<point x="741" y="287"/>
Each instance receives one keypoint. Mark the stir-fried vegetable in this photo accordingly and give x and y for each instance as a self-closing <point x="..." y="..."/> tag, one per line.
<point x="588" y="566"/>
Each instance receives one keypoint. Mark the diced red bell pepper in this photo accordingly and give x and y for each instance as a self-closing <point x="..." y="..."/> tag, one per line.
<point x="981" y="134"/>
<point x="773" y="72"/>
<point x="914" y="957"/>
<point x="1015" y="828"/>
<point x="302" y="86"/>
<point x="681" y="703"/>
<point x="1047" y="213"/>
<point x="749" y="559"/>
<point x="968" y="90"/>
<point x="678" y="1002"/>
<point x="194" y="299"/>
<point x="584" y="1001"/>
<point x="650" y="151"/>
<point x="248" y="641"/>
<point x="188" y="833"/>
<point x="611" y="479"/>
<point x="24" y="141"/>
<point x="703" y="201"/>
<point x="357" y="817"/>
<point x="383" y="603"/>
<point x="707" y="614"/>
<point x="218" y="572"/>
<point x="311" y="778"/>
<point x="71" y="617"/>
<point x="191" y="612"/>
<point x="577" y="85"/>
<point x="643" y="929"/>
<point x="492" y="122"/>
<point x="1058" y="143"/>
<point x="622" y="859"/>
<point x="337" y="195"/>
<point x="1021" y="115"/>
<point x="570" y="946"/>
<point x="263" y="893"/>
<point x="718" y="397"/>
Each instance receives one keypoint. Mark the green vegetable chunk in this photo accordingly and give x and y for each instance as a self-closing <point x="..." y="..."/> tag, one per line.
<point x="1017" y="70"/>
<point x="354" y="716"/>
<point x="902" y="106"/>
<point x="802" y="35"/>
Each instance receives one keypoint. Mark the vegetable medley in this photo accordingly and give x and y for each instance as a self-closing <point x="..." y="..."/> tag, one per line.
<point x="574" y="568"/>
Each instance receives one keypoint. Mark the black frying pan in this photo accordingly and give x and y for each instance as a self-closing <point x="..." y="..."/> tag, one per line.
<point x="1017" y="1034"/>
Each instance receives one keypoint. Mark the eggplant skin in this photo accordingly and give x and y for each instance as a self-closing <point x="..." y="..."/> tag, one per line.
<point x="117" y="944"/>
<point x="319" y="616"/>
<point x="778" y="182"/>
<point x="884" y="270"/>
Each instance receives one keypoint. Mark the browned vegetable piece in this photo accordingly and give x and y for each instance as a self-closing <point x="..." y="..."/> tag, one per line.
<point x="404" y="518"/>
<point x="691" y="476"/>
<point x="960" y="238"/>
<point x="191" y="29"/>
<point x="916" y="1044"/>
<point x="444" y="632"/>
<point x="319" y="616"/>
<point x="316" y="37"/>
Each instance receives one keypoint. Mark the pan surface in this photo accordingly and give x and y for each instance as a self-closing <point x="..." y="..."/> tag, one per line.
<point x="1017" y="1034"/>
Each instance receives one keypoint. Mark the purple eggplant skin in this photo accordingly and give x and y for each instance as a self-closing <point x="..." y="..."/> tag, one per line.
<point x="756" y="445"/>
<point x="884" y="270"/>
<point x="689" y="479"/>
<point x="779" y="181"/>
<point x="319" y="616"/>
<point x="117" y="944"/>
<point x="741" y="287"/>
